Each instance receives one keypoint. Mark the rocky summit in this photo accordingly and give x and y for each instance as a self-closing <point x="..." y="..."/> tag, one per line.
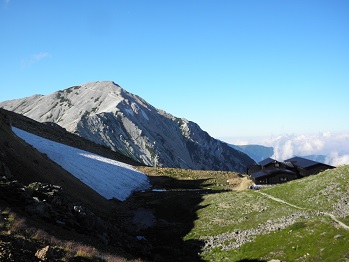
<point x="105" y="113"/>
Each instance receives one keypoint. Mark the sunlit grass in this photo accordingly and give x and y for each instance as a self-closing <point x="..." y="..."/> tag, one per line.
<point x="312" y="237"/>
<point x="232" y="211"/>
<point x="317" y="192"/>
<point x="315" y="240"/>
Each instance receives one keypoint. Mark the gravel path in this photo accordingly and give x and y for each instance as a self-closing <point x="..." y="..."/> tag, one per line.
<point x="280" y="200"/>
<point x="333" y="217"/>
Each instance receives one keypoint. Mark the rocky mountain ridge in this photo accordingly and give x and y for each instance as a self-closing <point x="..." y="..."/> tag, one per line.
<point x="105" y="113"/>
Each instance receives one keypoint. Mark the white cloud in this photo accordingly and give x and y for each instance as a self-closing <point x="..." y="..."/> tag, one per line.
<point x="40" y="56"/>
<point x="27" y="62"/>
<point x="334" y="146"/>
<point x="336" y="160"/>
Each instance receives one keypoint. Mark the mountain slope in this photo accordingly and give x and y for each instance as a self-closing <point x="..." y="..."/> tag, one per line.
<point x="58" y="134"/>
<point x="256" y="152"/>
<point x="107" y="114"/>
<point x="110" y="178"/>
<point x="49" y="206"/>
<point x="22" y="162"/>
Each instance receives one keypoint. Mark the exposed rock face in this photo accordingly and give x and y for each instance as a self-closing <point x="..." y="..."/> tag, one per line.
<point x="107" y="114"/>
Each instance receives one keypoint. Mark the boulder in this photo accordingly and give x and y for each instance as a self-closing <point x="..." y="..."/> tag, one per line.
<point x="43" y="254"/>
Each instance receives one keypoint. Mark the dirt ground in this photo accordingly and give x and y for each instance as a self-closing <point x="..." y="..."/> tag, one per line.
<point x="244" y="183"/>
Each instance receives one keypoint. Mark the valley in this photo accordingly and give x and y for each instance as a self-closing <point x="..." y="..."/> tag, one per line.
<point x="219" y="223"/>
<point x="57" y="212"/>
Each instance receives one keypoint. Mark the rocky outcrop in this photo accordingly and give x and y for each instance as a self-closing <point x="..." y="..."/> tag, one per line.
<point x="49" y="253"/>
<point x="47" y="202"/>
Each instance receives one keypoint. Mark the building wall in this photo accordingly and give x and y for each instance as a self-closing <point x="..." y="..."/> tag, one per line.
<point x="253" y="169"/>
<point x="275" y="179"/>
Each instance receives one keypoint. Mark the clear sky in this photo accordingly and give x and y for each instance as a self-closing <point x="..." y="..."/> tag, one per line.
<point x="235" y="67"/>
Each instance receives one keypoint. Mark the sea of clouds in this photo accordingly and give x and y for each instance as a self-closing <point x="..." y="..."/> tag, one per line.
<point x="334" y="146"/>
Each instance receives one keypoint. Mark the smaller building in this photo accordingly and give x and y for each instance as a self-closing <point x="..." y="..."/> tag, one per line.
<point x="271" y="171"/>
<point x="307" y="167"/>
<point x="264" y="164"/>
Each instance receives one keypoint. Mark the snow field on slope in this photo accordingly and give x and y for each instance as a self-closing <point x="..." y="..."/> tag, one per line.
<point x="110" y="178"/>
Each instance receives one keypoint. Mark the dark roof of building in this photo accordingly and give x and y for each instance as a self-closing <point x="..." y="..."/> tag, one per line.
<point x="289" y="164"/>
<point x="303" y="162"/>
<point x="273" y="171"/>
<point x="254" y="167"/>
<point x="258" y="174"/>
<point x="266" y="161"/>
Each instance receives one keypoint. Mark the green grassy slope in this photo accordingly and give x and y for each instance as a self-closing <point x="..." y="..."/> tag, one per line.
<point x="247" y="225"/>
<point x="327" y="191"/>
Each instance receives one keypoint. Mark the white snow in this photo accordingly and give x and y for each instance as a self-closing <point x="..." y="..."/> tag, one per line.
<point x="110" y="178"/>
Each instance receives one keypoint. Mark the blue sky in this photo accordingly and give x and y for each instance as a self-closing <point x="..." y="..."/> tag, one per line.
<point x="237" y="68"/>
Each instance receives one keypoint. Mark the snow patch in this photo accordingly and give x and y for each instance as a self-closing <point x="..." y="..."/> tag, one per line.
<point x="110" y="178"/>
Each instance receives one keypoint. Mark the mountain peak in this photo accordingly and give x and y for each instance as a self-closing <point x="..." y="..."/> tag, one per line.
<point x="101" y="85"/>
<point x="105" y="113"/>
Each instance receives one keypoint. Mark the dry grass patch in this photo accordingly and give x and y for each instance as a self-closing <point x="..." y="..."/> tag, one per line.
<point x="13" y="226"/>
<point x="85" y="251"/>
<point x="185" y="178"/>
